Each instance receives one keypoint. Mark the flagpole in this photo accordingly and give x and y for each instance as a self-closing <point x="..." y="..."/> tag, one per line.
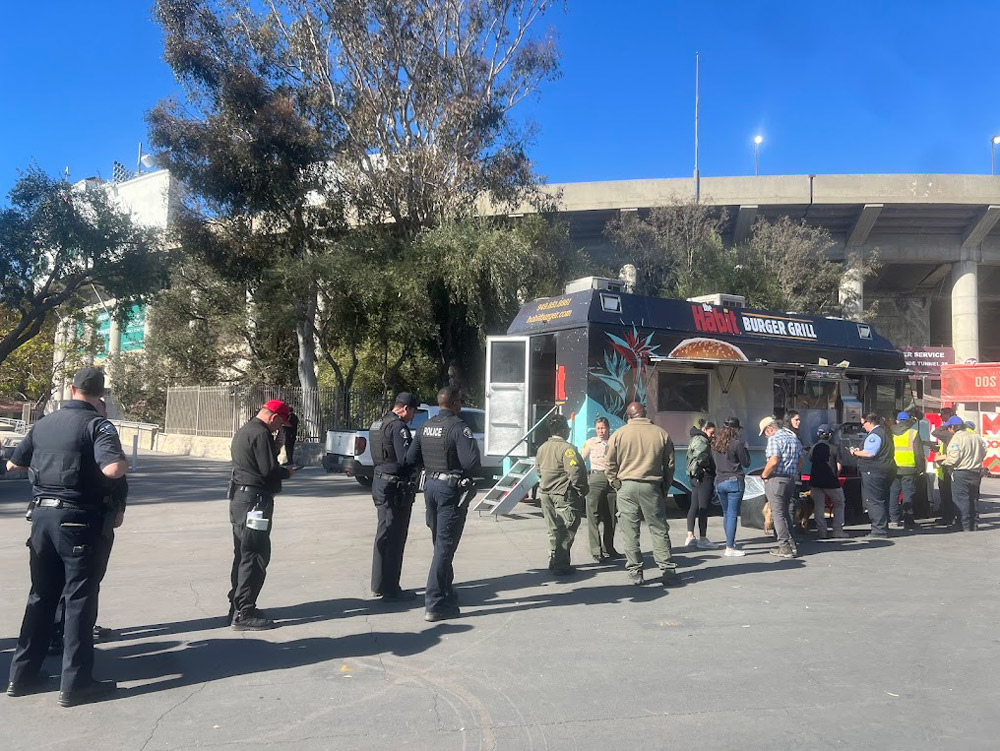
<point x="697" y="174"/>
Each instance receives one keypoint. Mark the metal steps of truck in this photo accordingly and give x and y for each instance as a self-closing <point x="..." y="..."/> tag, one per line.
<point x="510" y="489"/>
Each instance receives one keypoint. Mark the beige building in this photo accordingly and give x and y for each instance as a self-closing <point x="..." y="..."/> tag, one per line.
<point x="152" y="200"/>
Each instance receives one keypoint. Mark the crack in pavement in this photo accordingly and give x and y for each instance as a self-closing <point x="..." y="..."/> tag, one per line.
<point x="159" y="719"/>
<point x="378" y="648"/>
<point x="197" y="598"/>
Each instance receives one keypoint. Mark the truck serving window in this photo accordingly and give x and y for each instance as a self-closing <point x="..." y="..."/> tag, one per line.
<point x="682" y="392"/>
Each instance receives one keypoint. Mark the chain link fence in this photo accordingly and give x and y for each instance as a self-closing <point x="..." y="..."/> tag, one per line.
<point x="220" y="410"/>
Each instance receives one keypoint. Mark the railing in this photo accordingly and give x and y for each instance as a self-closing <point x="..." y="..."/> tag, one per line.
<point x="531" y="430"/>
<point x="20" y="426"/>
<point x="219" y="411"/>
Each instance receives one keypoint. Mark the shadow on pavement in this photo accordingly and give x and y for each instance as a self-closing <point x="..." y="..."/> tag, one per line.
<point x="288" y="615"/>
<point x="175" y="664"/>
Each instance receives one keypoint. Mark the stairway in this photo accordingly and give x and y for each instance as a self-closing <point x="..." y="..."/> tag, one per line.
<point x="510" y="489"/>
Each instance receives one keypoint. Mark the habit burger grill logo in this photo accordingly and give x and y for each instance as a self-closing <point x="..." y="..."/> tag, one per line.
<point x="709" y="318"/>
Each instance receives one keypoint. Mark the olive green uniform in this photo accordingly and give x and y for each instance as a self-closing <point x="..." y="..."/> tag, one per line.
<point x="562" y="486"/>
<point x="601" y="508"/>
<point x="640" y="465"/>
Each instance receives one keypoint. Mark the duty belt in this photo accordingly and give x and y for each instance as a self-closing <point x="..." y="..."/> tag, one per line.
<point x="60" y="503"/>
<point x="444" y="475"/>
<point x="252" y="489"/>
<point x="387" y="476"/>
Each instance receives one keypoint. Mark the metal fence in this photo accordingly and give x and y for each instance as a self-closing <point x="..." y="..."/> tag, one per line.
<point x="220" y="410"/>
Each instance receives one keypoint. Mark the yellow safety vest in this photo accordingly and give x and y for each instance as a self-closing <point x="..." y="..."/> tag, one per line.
<point x="904" y="448"/>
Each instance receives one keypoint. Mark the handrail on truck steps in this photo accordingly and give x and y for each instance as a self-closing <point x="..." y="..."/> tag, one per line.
<point x="534" y="427"/>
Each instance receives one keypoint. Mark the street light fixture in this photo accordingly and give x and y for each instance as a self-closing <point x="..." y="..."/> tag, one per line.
<point x="993" y="154"/>
<point x="756" y="145"/>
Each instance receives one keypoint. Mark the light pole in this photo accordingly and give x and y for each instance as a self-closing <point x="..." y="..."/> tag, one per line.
<point x="993" y="154"/>
<point x="756" y="145"/>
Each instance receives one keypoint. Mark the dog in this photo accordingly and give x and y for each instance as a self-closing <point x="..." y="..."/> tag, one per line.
<point x="803" y="512"/>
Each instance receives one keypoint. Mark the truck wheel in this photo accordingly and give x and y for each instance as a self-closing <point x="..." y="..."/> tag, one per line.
<point x="365" y="482"/>
<point x="683" y="500"/>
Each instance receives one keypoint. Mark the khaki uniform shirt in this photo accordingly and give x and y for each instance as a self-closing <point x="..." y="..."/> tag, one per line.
<point x="560" y="467"/>
<point x="965" y="451"/>
<point x="640" y="451"/>
<point x="595" y="450"/>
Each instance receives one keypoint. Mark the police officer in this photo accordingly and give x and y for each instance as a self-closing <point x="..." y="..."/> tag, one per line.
<point x="601" y="501"/>
<point x="114" y="517"/>
<point x="877" y="462"/>
<point x="291" y="435"/>
<point x="640" y="466"/>
<point x="256" y="480"/>
<point x="71" y="456"/>
<point x="562" y="487"/>
<point x="389" y="438"/>
<point x="448" y="452"/>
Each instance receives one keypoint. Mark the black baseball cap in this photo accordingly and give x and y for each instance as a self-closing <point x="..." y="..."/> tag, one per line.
<point x="90" y="381"/>
<point x="406" y="399"/>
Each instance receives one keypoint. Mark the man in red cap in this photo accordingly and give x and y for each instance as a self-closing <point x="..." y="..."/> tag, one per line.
<point x="256" y="480"/>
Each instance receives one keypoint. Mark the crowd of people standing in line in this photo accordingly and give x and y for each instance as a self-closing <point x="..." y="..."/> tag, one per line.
<point x="890" y="463"/>
<point x="73" y="513"/>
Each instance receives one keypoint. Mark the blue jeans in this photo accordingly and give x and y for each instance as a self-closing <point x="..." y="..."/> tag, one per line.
<point x="730" y="493"/>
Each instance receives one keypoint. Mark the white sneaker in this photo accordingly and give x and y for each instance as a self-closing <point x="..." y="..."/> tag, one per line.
<point x="705" y="544"/>
<point x="733" y="553"/>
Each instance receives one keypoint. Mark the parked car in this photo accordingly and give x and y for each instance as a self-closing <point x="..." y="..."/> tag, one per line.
<point x="348" y="451"/>
<point x="8" y="442"/>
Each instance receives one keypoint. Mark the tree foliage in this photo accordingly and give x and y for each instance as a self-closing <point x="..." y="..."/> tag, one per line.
<point x="140" y="389"/>
<point x="677" y="250"/>
<point x="28" y="371"/>
<point x="204" y="329"/>
<point x="424" y="92"/>
<point x="477" y="272"/>
<point x="784" y="265"/>
<point x="56" y="241"/>
<point x="319" y="140"/>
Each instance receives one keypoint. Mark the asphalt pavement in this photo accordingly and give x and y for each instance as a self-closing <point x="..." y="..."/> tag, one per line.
<point x="855" y="645"/>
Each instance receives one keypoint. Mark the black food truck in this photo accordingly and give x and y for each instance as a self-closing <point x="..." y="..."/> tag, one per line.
<point x="593" y="350"/>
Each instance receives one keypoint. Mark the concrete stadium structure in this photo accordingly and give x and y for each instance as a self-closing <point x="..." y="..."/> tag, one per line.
<point x="936" y="236"/>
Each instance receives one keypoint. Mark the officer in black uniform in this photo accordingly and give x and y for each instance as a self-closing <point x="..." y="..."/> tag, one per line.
<point x="256" y="480"/>
<point x="449" y="454"/>
<point x="115" y="503"/>
<point x="71" y="456"/>
<point x="291" y="435"/>
<point x="389" y="438"/>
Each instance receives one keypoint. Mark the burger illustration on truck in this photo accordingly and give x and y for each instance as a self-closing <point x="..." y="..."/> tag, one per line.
<point x="702" y="348"/>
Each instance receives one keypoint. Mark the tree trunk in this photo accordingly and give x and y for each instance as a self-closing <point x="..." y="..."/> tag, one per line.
<point x="311" y="414"/>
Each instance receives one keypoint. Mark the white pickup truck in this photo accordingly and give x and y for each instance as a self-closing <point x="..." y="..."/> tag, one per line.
<point x="348" y="451"/>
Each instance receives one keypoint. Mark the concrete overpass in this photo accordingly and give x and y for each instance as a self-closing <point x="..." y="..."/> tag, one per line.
<point x="937" y="235"/>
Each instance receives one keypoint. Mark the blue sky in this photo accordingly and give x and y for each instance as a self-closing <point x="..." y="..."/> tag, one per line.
<point x="832" y="87"/>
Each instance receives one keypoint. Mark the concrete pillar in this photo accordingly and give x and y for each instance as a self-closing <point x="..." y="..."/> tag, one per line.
<point x="852" y="292"/>
<point x="965" y="310"/>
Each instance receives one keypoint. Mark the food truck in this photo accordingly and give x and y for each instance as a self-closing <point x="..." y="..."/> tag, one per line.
<point x="591" y="351"/>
